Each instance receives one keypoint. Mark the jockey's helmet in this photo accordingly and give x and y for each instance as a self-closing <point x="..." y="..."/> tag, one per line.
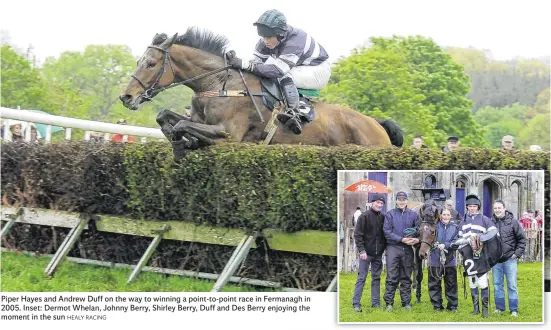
<point x="472" y="199"/>
<point x="271" y="23"/>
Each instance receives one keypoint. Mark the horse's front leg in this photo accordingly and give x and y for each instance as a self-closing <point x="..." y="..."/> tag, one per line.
<point x="196" y="135"/>
<point x="418" y="276"/>
<point x="167" y="120"/>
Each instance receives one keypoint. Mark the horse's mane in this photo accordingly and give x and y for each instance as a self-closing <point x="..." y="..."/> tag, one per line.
<point x="198" y="38"/>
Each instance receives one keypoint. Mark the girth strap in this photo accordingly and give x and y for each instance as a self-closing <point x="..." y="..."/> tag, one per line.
<point x="226" y="93"/>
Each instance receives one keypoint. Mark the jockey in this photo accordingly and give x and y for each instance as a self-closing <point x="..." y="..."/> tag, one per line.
<point x="475" y="224"/>
<point x="290" y="55"/>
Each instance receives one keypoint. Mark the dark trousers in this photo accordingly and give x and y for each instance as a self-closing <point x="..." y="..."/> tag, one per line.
<point x="399" y="263"/>
<point x="376" y="263"/>
<point x="449" y="276"/>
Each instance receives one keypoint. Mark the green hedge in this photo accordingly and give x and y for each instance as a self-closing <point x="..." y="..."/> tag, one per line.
<point x="250" y="186"/>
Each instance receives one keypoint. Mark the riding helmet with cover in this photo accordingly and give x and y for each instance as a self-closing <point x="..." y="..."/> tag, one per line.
<point x="270" y="24"/>
<point x="472" y="199"/>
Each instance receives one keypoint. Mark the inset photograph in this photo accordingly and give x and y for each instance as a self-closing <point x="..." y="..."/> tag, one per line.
<point x="440" y="247"/>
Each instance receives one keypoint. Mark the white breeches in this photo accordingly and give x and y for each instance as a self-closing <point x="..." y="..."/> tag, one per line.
<point x="311" y="77"/>
<point x="478" y="281"/>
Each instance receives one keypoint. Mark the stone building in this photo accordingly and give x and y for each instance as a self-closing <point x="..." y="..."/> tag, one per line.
<point x="520" y="190"/>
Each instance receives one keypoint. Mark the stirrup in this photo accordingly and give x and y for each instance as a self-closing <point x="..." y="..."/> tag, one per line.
<point x="288" y="114"/>
<point x="294" y="125"/>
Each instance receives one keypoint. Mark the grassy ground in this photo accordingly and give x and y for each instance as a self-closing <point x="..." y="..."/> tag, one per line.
<point x="21" y="273"/>
<point x="530" y="299"/>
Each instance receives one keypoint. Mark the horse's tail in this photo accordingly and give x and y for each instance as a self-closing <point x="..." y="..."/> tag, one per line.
<point x="394" y="132"/>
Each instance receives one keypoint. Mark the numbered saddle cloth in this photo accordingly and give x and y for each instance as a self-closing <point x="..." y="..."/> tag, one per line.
<point x="489" y="256"/>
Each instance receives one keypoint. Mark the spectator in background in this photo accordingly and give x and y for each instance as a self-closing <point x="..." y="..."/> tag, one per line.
<point x="453" y="144"/>
<point x="539" y="219"/>
<point x="120" y="137"/>
<point x="16" y="133"/>
<point x="527" y="219"/>
<point x="356" y="216"/>
<point x="34" y="135"/>
<point x="455" y="215"/>
<point x="418" y="142"/>
<point x="508" y="143"/>
<point x="535" y="147"/>
<point x="96" y="136"/>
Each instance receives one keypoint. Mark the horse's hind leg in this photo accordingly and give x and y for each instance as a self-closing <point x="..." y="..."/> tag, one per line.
<point x="167" y="120"/>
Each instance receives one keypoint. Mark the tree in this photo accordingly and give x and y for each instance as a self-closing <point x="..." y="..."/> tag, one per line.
<point x="536" y="132"/>
<point x="412" y="81"/>
<point x="472" y="60"/>
<point x="494" y="132"/>
<point x="378" y="84"/>
<point x="22" y="85"/>
<point x="98" y="74"/>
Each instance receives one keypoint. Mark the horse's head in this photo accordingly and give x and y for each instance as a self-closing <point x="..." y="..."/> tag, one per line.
<point x="429" y="213"/>
<point x="154" y="70"/>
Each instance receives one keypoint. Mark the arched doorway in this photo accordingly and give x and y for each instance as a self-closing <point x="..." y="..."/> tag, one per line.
<point x="515" y="207"/>
<point x="490" y="192"/>
<point x="460" y="186"/>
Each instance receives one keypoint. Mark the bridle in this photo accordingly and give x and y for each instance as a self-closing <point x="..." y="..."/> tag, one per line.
<point x="150" y="91"/>
<point x="431" y="245"/>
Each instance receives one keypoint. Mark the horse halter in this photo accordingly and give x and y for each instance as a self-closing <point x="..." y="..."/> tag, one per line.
<point x="150" y="92"/>
<point x="431" y="245"/>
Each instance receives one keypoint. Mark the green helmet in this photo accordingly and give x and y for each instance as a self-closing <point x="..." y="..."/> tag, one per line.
<point x="272" y="19"/>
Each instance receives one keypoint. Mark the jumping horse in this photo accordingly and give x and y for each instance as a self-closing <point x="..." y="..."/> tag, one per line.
<point x="231" y="104"/>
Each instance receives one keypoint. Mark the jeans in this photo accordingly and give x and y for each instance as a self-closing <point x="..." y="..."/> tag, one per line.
<point x="507" y="269"/>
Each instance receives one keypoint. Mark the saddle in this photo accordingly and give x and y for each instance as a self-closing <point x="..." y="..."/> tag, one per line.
<point x="272" y="95"/>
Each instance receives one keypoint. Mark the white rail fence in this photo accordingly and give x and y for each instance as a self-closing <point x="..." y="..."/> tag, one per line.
<point x="27" y="118"/>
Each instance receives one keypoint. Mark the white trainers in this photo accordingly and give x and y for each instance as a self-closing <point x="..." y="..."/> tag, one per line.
<point x="514" y="314"/>
<point x="498" y="311"/>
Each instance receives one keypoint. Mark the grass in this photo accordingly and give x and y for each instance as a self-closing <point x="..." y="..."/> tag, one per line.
<point x="21" y="273"/>
<point x="530" y="299"/>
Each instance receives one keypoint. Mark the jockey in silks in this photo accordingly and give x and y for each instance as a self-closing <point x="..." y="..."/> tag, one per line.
<point x="290" y="55"/>
<point x="474" y="224"/>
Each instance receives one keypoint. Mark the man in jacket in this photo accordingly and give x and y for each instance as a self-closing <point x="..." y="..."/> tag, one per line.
<point x="446" y="234"/>
<point x="399" y="253"/>
<point x="513" y="243"/>
<point x="371" y="243"/>
<point x="475" y="224"/>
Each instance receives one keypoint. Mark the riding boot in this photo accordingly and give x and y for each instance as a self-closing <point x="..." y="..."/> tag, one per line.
<point x="290" y="117"/>
<point x="485" y="299"/>
<point x="474" y="295"/>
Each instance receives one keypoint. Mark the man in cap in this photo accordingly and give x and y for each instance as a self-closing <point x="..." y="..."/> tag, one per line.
<point x="453" y="144"/>
<point x="474" y="224"/>
<point x="456" y="216"/>
<point x="399" y="223"/>
<point x="508" y="143"/>
<point x="371" y="243"/>
<point x="290" y="55"/>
